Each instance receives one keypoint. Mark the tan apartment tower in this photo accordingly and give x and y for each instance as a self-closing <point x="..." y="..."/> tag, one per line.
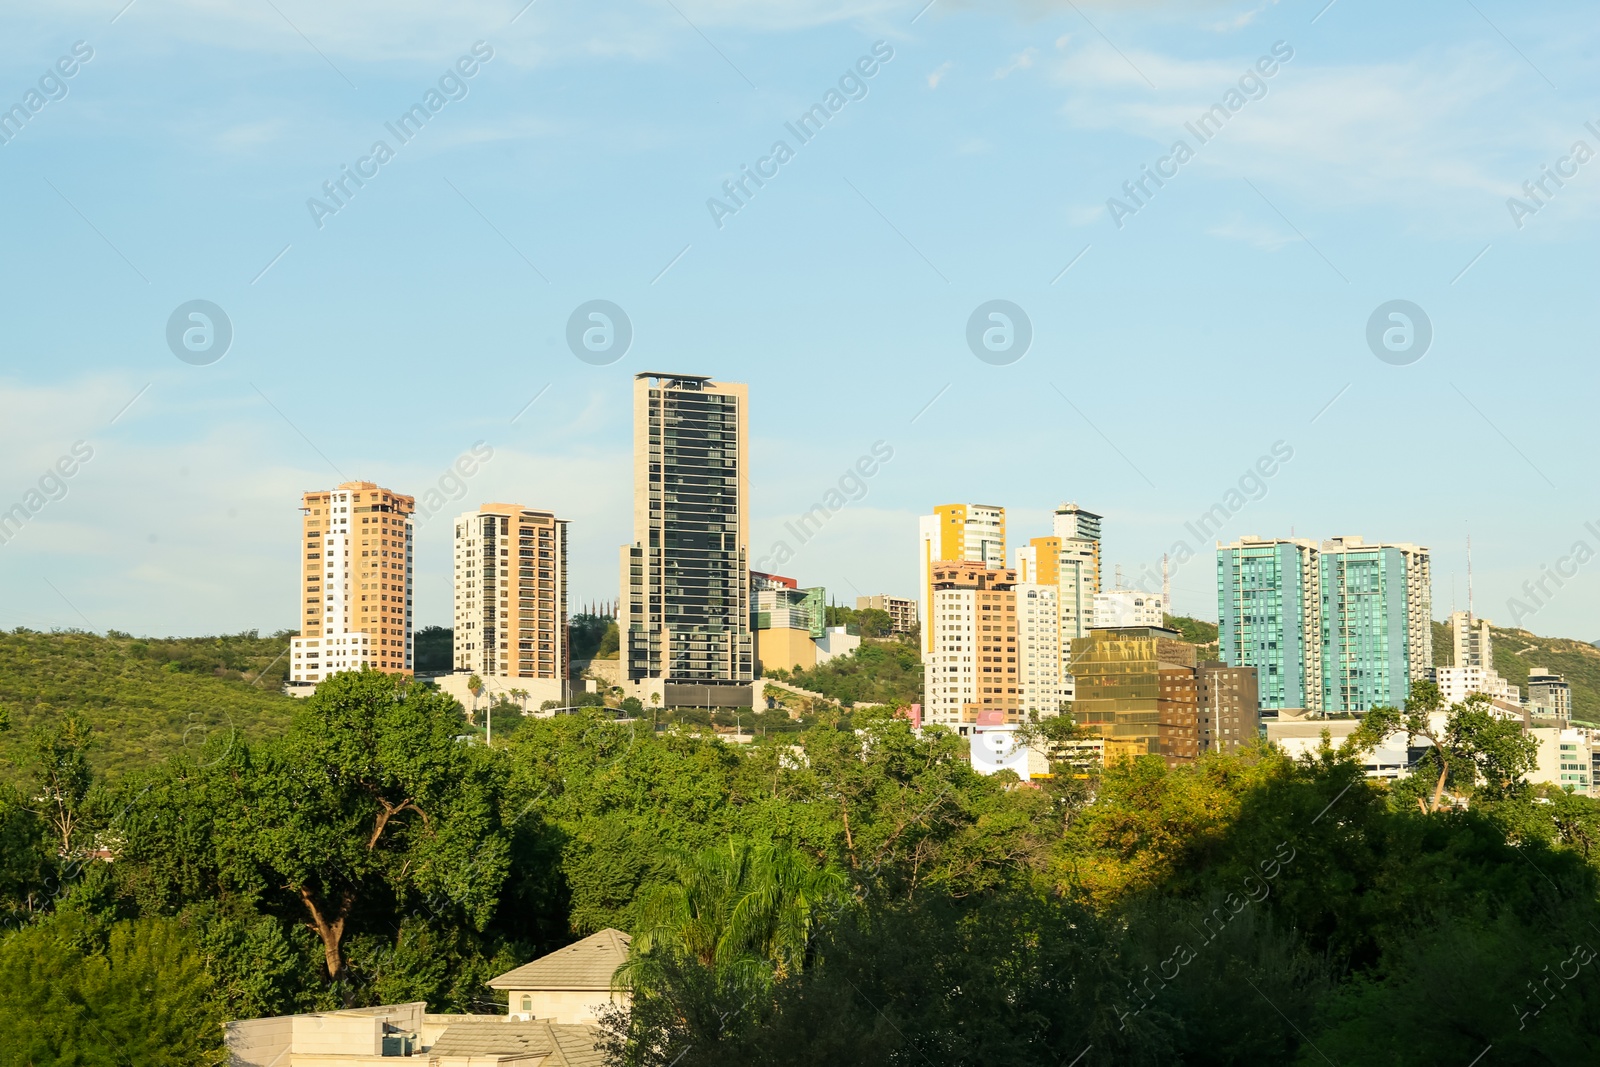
<point x="355" y="606"/>
<point x="685" y="579"/>
<point x="511" y="598"/>
<point x="973" y="664"/>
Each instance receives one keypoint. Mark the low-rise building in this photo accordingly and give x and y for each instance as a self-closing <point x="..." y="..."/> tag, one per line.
<point x="996" y="745"/>
<point x="1128" y="607"/>
<point x="836" y="641"/>
<point x="1456" y="684"/>
<point x="1566" y="759"/>
<point x="570" y="985"/>
<point x="555" y="1002"/>
<point x="1304" y="737"/>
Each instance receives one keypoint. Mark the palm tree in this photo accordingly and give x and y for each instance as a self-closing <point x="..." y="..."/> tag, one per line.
<point x="746" y="907"/>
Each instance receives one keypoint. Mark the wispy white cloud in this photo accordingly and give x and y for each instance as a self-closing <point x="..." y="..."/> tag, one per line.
<point x="1418" y="134"/>
<point x="1254" y="234"/>
<point x="938" y="75"/>
<point x="1022" y="61"/>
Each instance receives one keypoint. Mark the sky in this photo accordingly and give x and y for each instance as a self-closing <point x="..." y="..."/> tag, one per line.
<point x="1336" y="158"/>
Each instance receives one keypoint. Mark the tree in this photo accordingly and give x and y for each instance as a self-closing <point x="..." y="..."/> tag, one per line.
<point x="58" y="759"/>
<point x="741" y="903"/>
<point x="136" y="992"/>
<point x="874" y="622"/>
<point x="369" y="798"/>
<point x="1468" y="742"/>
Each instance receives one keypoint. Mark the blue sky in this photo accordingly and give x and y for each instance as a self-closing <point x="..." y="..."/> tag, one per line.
<point x="1227" y="314"/>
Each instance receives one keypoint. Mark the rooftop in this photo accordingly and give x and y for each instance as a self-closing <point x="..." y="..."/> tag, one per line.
<point x="589" y="964"/>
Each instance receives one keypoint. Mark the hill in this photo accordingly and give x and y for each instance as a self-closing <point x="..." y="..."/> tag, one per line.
<point x="145" y="698"/>
<point x="881" y="671"/>
<point x="1196" y="632"/>
<point x="1516" y="651"/>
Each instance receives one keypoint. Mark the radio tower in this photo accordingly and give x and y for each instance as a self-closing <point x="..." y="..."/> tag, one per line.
<point x="1470" y="616"/>
<point x="1166" y="586"/>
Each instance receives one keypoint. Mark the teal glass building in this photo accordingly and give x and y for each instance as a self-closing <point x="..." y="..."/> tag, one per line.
<point x="1332" y="627"/>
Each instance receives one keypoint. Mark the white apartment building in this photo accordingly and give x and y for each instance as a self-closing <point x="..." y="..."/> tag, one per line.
<point x="1038" y="649"/>
<point x="511" y="599"/>
<point x="356" y="582"/>
<point x="1075" y="533"/>
<point x="1458" y="683"/>
<point x="1128" y="607"/>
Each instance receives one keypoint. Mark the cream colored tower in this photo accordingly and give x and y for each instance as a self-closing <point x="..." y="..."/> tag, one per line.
<point x="1038" y="628"/>
<point x="511" y="598"/>
<point x="356" y="582"/>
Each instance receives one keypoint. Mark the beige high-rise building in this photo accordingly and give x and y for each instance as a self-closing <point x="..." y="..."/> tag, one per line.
<point x="975" y="533"/>
<point x="356" y="582"/>
<point x="511" y="598"/>
<point x="685" y="579"/>
<point x="1473" y="641"/>
<point x="973" y="664"/>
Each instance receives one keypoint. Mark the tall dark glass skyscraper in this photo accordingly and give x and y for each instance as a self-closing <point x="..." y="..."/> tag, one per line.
<point x="685" y="619"/>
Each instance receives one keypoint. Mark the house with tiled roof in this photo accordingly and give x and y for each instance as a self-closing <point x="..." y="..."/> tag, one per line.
<point x="555" y="1002"/>
<point x="570" y="985"/>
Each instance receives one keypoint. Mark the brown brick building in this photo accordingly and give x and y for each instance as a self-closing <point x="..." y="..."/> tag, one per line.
<point x="1229" y="707"/>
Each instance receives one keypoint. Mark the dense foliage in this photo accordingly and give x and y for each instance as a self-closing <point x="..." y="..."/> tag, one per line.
<point x="434" y="648"/>
<point x="850" y="892"/>
<point x="593" y="636"/>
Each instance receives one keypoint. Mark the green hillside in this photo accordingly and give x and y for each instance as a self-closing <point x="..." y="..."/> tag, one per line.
<point x="886" y="671"/>
<point x="1197" y="632"/>
<point x="1515" y="651"/>
<point x="145" y="698"/>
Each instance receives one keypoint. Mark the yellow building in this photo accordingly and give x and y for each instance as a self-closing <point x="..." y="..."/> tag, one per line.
<point x="356" y="582"/>
<point x="971" y="532"/>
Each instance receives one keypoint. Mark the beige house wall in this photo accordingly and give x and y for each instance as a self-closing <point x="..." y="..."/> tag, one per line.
<point x="562" y="1005"/>
<point x="784" y="649"/>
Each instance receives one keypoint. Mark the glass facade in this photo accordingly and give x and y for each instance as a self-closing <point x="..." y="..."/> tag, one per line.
<point x="1338" y="627"/>
<point x="1262" y="600"/>
<point x="1135" y="688"/>
<point x="689" y="618"/>
<point x="1364" y="629"/>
